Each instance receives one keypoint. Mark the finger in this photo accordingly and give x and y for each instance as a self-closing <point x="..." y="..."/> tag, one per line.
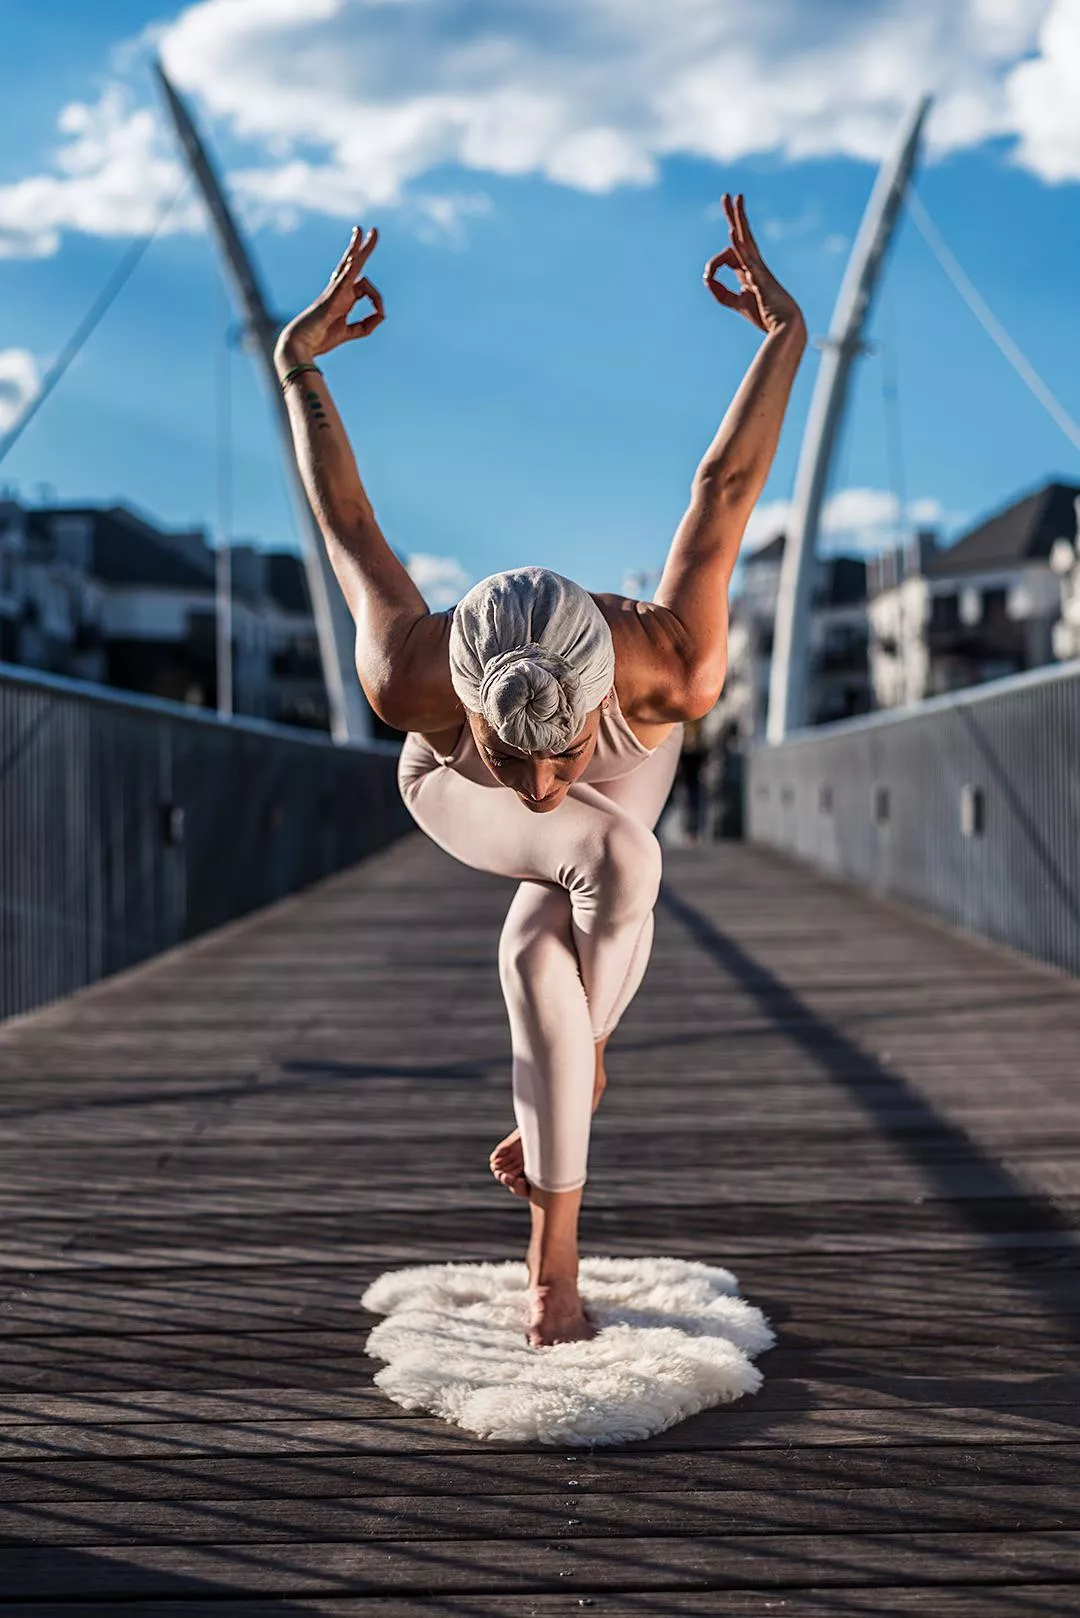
<point x="725" y="295"/>
<point x="363" y="328"/>
<point x="366" y="247"/>
<point x="729" y="214"/>
<point x="344" y="259"/>
<point x="729" y="257"/>
<point x="746" y="234"/>
<point x="363" y="288"/>
<point x="748" y="306"/>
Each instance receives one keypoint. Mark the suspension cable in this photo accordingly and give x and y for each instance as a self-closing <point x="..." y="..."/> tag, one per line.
<point x="989" y="321"/>
<point x="890" y="398"/>
<point x="90" y="322"/>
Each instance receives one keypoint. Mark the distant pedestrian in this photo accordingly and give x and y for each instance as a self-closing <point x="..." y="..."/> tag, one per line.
<point x="693" y="757"/>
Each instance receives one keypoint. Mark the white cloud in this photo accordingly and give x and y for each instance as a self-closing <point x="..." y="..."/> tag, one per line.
<point x="442" y="217"/>
<point x="20" y="384"/>
<point x="928" y="512"/>
<point x="340" y="106"/>
<point x="854" y="520"/>
<point x="441" y="580"/>
<point x="766" y="521"/>
<point x="112" y="177"/>
<point x="1043" y="96"/>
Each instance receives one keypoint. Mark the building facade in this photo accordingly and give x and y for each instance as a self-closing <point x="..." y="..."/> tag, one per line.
<point x="103" y="594"/>
<point x="982" y="609"/>
<point x="839" y="638"/>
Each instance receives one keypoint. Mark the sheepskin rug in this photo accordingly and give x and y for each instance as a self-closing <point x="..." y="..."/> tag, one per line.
<point x="675" y="1338"/>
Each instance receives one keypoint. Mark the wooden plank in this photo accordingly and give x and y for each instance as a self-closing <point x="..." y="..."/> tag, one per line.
<point x="351" y="1399"/>
<point x="517" y="1566"/>
<point x="285" y="1436"/>
<point x="933" y="1601"/>
<point x="496" y="1470"/>
<point x="687" y="1514"/>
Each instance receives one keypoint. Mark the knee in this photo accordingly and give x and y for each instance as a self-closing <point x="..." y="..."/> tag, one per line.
<point x="526" y="955"/>
<point x="628" y="866"/>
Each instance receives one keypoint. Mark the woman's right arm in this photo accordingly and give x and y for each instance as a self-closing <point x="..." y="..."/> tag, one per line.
<point x="401" y="648"/>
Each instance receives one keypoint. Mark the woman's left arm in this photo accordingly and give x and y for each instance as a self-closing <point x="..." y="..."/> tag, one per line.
<point x="682" y="672"/>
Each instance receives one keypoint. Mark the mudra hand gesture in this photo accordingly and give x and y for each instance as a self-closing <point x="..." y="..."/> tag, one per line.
<point x="760" y="298"/>
<point x="325" y="324"/>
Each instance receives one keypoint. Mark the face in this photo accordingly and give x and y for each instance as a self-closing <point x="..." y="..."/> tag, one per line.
<point x="540" y="780"/>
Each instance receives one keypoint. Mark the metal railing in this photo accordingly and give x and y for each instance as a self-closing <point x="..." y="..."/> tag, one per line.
<point x="966" y="805"/>
<point x="128" y="825"/>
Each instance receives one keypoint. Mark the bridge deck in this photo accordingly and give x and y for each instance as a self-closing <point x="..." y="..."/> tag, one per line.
<point x="204" y="1163"/>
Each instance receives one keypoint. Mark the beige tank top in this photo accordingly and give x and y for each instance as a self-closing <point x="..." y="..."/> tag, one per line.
<point x="618" y="751"/>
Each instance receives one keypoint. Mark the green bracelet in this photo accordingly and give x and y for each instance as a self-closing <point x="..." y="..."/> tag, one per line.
<point x="296" y="370"/>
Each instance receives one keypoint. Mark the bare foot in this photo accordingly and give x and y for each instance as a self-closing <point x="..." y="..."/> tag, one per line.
<point x="557" y="1316"/>
<point x="508" y="1164"/>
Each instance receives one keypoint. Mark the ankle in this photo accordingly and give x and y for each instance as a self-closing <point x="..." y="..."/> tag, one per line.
<point x="549" y="1279"/>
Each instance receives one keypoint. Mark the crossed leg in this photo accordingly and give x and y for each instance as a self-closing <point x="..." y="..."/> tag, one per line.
<point x="572" y="953"/>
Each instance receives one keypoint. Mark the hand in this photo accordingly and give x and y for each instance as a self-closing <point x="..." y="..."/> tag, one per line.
<point x="325" y="324"/>
<point x="761" y="298"/>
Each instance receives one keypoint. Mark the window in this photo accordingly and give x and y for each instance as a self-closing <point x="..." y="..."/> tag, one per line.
<point x="995" y="606"/>
<point x="944" y="612"/>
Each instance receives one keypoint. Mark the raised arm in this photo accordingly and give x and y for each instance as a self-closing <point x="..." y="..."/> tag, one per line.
<point x="401" y="648"/>
<point x="682" y="673"/>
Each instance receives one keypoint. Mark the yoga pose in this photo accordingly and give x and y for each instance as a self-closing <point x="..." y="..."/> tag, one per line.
<point x="544" y="726"/>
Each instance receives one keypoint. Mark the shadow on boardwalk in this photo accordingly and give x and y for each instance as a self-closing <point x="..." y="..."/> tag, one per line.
<point x="206" y="1162"/>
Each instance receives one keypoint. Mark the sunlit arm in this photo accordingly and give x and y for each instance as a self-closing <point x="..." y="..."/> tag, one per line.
<point x="697" y="575"/>
<point x="401" y="648"/>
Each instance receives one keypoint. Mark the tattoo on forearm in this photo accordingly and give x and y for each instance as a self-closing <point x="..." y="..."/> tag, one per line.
<point x="318" y="409"/>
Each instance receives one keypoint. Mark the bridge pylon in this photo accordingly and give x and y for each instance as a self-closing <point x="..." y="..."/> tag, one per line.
<point x="791" y="642"/>
<point x="350" y="716"/>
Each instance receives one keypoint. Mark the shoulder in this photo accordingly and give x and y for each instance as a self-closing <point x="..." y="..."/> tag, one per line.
<point x="654" y="670"/>
<point x="410" y="686"/>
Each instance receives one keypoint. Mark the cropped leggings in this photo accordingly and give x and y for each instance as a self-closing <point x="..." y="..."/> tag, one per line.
<point x="577" y="936"/>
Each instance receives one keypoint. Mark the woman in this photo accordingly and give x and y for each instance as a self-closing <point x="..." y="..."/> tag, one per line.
<point x="544" y="731"/>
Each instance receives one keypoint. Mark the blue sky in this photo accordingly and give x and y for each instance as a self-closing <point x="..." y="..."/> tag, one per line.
<point x="551" y="368"/>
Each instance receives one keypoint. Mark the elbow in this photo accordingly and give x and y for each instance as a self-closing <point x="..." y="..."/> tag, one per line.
<point x="719" y="485"/>
<point x="701" y="687"/>
<point x="386" y="696"/>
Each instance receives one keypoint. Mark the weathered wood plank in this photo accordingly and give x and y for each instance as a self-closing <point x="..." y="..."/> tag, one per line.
<point x="285" y="1436"/>
<point x="571" y="1515"/>
<point x="930" y="1601"/>
<point x="351" y="1399"/>
<point x="422" y="1566"/>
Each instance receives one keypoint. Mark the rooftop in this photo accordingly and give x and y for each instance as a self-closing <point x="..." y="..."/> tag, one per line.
<point x="1022" y="532"/>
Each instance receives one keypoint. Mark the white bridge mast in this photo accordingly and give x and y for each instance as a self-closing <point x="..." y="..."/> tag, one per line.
<point x="350" y="716"/>
<point x="790" y="662"/>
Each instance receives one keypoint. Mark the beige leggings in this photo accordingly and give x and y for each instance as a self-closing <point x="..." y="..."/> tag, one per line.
<point x="577" y="936"/>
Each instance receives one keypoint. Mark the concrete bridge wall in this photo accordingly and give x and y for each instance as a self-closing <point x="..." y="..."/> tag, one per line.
<point x="129" y="825"/>
<point x="967" y="806"/>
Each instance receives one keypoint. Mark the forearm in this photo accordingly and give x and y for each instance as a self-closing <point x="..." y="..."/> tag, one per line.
<point x="728" y="482"/>
<point x="358" y="551"/>
<point x="393" y="624"/>
<point x="736" y="464"/>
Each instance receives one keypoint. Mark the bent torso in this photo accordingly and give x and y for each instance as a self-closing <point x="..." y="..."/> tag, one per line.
<point x="621" y="746"/>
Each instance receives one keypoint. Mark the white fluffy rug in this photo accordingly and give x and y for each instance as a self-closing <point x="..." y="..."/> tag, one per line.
<point x="675" y="1338"/>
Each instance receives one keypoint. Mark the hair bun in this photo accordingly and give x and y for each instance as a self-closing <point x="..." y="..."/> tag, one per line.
<point x="529" y="696"/>
<point x="532" y="652"/>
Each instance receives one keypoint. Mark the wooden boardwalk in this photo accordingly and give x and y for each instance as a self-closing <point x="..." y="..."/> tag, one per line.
<point x="873" y="1121"/>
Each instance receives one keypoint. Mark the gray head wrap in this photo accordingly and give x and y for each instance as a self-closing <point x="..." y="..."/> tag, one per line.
<point x="532" y="652"/>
